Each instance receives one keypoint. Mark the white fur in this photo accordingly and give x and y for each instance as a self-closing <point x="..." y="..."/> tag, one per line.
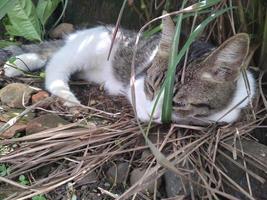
<point x="25" y="61"/>
<point x="241" y="95"/>
<point x="87" y="51"/>
<point x="144" y="107"/>
<point x="230" y="114"/>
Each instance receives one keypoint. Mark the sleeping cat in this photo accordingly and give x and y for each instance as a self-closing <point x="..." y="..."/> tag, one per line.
<point x="213" y="90"/>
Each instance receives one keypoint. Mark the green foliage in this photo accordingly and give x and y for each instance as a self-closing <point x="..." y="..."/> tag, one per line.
<point x="5" y="6"/>
<point x="169" y="82"/>
<point x="24" y="19"/>
<point x="23" y="180"/>
<point x="158" y="28"/>
<point x="45" y="8"/>
<point x="39" y="197"/>
<point x="4" y="170"/>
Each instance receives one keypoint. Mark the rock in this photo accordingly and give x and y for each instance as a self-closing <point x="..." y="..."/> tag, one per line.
<point x="61" y="31"/>
<point x="173" y="184"/>
<point x="44" y="171"/>
<point x="11" y="132"/>
<point x="4" y="55"/>
<point x="179" y="185"/>
<point x="13" y="112"/>
<point x="41" y="95"/>
<point x="137" y="174"/>
<point x="254" y="150"/>
<point x="13" y="94"/>
<point x="88" y="179"/>
<point x="8" y="190"/>
<point x="117" y="174"/>
<point x="155" y="136"/>
<point x="145" y="155"/>
<point x="44" y="122"/>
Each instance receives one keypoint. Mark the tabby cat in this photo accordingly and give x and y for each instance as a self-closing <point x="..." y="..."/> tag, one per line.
<point x="214" y="90"/>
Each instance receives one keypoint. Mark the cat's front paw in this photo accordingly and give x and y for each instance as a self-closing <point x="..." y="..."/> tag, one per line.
<point x="23" y="63"/>
<point x="144" y="114"/>
<point x="12" y="69"/>
<point x="71" y="102"/>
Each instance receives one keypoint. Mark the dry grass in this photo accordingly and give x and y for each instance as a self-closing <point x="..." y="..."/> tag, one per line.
<point x="77" y="149"/>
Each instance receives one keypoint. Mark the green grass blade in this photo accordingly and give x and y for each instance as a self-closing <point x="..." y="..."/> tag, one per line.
<point x="167" y="103"/>
<point x="168" y="95"/>
<point x="158" y="28"/>
<point x="195" y="7"/>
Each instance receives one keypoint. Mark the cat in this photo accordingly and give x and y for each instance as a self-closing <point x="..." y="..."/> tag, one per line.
<point x="214" y="89"/>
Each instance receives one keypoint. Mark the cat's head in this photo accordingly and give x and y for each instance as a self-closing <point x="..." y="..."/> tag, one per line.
<point x="210" y="83"/>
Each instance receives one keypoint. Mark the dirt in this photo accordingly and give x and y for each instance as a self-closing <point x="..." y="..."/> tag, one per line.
<point x="97" y="185"/>
<point x="93" y="96"/>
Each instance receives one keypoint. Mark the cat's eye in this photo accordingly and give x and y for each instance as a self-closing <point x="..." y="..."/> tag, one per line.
<point x="179" y="104"/>
<point x="149" y="88"/>
<point x="149" y="91"/>
<point x="201" y="105"/>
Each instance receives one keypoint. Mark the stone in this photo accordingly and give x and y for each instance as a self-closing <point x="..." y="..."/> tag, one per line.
<point x="44" y="122"/>
<point x="88" y="179"/>
<point x="173" y="184"/>
<point x="145" y="155"/>
<point x="4" y="55"/>
<point x="8" y="190"/>
<point x="41" y="95"/>
<point x="254" y="150"/>
<point x="137" y="174"/>
<point x="61" y="31"/>
<point x="12" y="131"/>
<point x="15" y="93"/>
<point x="14" y="112"/>
<point x="117" y="174"/>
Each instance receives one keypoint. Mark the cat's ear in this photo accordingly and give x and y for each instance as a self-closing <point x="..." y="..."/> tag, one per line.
<point x="156" y="72"/>
<point x="168" y="30"/>
<point x="224" y="64"/>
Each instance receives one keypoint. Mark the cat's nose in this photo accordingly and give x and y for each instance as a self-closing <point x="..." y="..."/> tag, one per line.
<point x="156" y="118"/>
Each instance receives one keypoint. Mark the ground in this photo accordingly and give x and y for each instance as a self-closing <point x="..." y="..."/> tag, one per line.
<point x="99" y="152"/>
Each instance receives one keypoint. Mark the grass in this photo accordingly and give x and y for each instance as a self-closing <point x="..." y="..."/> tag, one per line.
<point x="176" y="57"/>
<point x="106" y="143"/>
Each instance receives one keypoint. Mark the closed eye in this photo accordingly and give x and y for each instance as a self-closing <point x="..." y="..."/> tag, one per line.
<point x="159" y="79"/>
<point x="149" y="88"/>
<point x="201" y="105"/>
<point x="179" y="104"/>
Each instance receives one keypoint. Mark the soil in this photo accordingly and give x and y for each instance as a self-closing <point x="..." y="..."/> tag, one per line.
<point x="97" y="183"/>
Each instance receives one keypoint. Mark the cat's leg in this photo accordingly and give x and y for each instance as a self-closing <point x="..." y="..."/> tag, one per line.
<point x="23" y="63"/>
<point x="85" y="51"/>
<point x="58" y="72"/>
